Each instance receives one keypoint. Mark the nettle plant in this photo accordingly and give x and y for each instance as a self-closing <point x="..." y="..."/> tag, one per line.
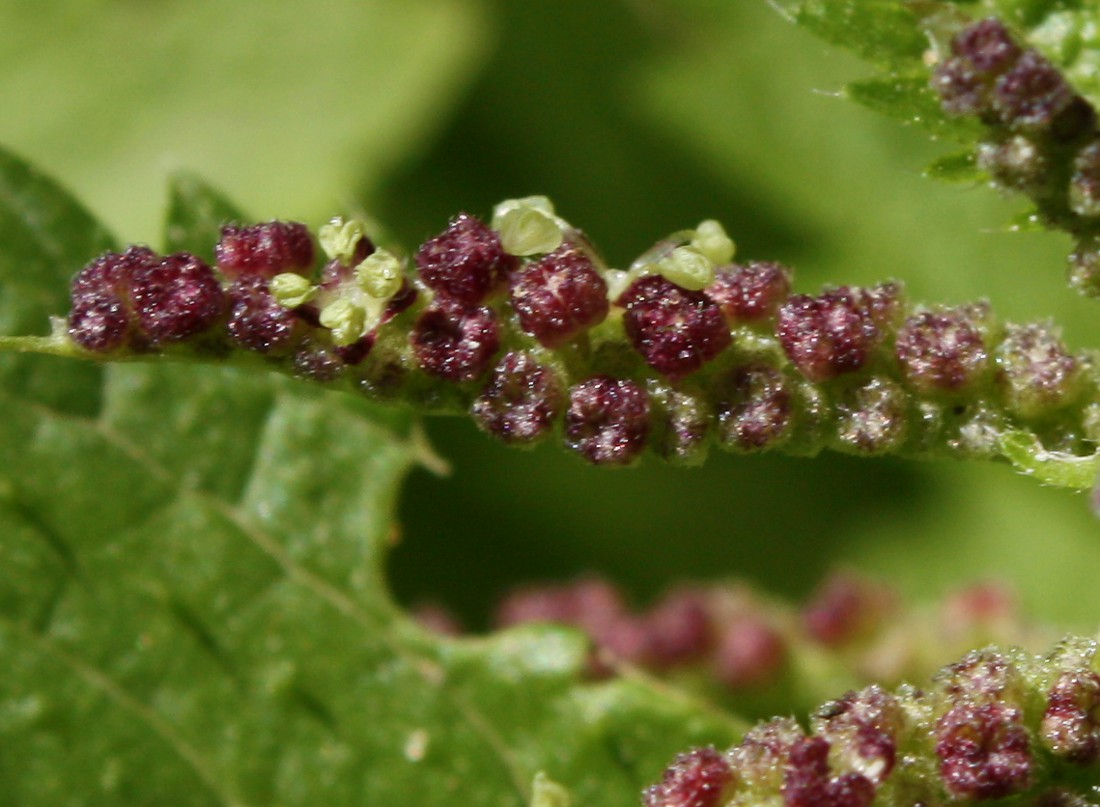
<point x="194" y="604"/>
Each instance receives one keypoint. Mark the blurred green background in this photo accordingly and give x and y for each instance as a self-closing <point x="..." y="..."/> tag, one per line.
<point x="638" y="117"/>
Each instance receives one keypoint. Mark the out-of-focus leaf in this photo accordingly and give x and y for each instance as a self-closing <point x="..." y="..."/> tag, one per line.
<point x="282" y="104"/>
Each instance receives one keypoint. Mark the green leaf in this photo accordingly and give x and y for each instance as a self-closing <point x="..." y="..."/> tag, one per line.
<point x="910" y="99"/>
<point x="960" y="167"/>
<point x="193" y="602"/>
<point x="880" y="31"/>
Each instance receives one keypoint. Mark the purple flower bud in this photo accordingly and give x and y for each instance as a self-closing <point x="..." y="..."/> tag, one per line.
<point x="256" y="320"/>
<point x="835" y="332"/>
<point x="176" y="298"/>
<point x="102" y="308"/>
<point x="987" y="45"/>
<point x="750" y="292"/>
<point x="466" y="262"/>
<point x="844" y="608"/>
<point x="607" y="421"/>
<point x="677" y="331"/>
<point x="943" y="349"/>
<point x="873" y="416"/>
<point x="809" y="782"/>
<point x="520" y="401"/>
<point x="559" y="296"/>
<point x="264" y="249"/>
<point x="749" y="652"/>
<point x="698" y="778"/>
<point x="455" y="342"/>
<point x="1071" y="722"/>
<point x="984" y="750"/>
<point x="681" y="628"/>
<point x="1036" y="371"/>
<point x="754" y="408"/>
<point x="1032" y="94"/>
<point x="864" y="728"/>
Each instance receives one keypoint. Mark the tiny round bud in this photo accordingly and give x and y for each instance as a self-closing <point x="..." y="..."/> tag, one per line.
<point x="607" y="421"/>
<point x="345" y="319"/>
<point x="681" y="628"/>
<point x="687" y="267"/>
<point x="176" y="299"/>
<point x="528" y="226"/>
<point x="264" y="249"/>
<point x="1016" y="163"/>
<point x="465" y="262"/>
<point x="712" y="241"/>
<point x="381" y="274"/>
<point x="1038" y="373"/>
<point x="1032" y="94"/>
<point x="755" y="408"/>
<point x="987" y="45"/>
<point x="559" y="296"/>
<point x="749" y="652"/>
<point x="455" y="342"/>
<point x="291" y="290"/>
<point x="1071" y="722"/>
<point x="698" y="778"/>
<point x="873" y="416"/>
<point x="809" y="782"/>
<point x="317" y="363"/>
<point x="961" y="88"/>
<point x="110" y="274"/>
<point x="257" y="320"/>
<point x="750" y="292"/>
<point x="99" y="324"/>
<point x="982" y="676"/>
<point x="844" y="609"/>
<point x="864" y="729"/>
<point x="676" y="330"/>
<point x="942" y="349"/>
<point x="984" y="751"/>
<point x="520" y="401"/>
<point x="831" y="334"/>
<point x="760" y="760"/>
<point x="102" y="308"/>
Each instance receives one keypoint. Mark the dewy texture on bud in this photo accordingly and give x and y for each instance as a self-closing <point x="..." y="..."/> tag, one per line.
<point x="614" y="362"/>
<point x="997" y="724"/>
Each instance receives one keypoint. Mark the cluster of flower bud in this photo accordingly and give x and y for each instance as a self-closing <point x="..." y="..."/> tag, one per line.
<point x="520" y="323"/>
<point x="993" y="725"/>
<point x="1041" y="136"/>
<point x="731" y="642"/>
